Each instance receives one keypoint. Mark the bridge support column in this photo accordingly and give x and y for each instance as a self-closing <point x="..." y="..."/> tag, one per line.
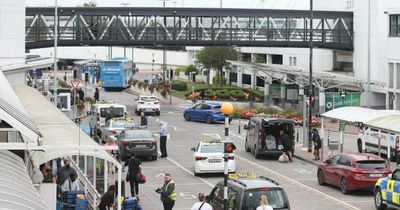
<point x="321" y="96"/>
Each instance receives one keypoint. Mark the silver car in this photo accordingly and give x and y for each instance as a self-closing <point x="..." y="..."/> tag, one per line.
<point x="114" y="127"/>
<point x="141" y="142"/>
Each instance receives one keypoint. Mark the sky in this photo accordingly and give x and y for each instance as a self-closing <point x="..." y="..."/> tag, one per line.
<point x="267" y="4"/>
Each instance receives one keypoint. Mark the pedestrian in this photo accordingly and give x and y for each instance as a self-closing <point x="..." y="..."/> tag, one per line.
<point x="163" y="139"/>
<point x="317" y="143"/>
<point x="71" y="184"/>
<point x="81" y="94"/>
<point x="47" y="174"/>
<point x="143" y="119"/>
<point x="168" y="192"/>
<point x="65" y="172"/>
<point x="134" y="167"/>
<point x="202" y="204"/>
<point x="264" y="204"/>
<point x="96" y="95"/>
<point x="287" y="144"/>
<point x="107" y="201"/>
<point x="202" y="95"/>
<point x="251" y="99"/>
<point x="65" y="77"/>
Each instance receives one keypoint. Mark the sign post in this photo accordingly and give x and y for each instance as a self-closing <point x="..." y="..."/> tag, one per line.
<point x="342" y="126"/>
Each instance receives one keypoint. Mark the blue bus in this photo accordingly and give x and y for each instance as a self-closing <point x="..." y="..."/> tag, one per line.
<point x="116" y="73"/>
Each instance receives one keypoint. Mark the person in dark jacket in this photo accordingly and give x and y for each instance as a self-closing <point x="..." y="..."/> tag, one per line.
<point x="143" y="119"/>
<point x="65" y="172"/>
<point x="168" y="192"/>
<point x="317" y="143"/>
<point x="135" y="167"/>
<point x="287" y="144"/>
<point x="96" y="95"/>
<point x="108" y="114"/>
<point x="81" y="94"/>
<point x="202" y="95"/>
<point x="108" y="199"/>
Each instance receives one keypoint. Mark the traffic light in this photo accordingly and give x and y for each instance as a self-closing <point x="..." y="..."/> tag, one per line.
<point x="171" y="74"/>
<point x="74" y="73"/>
<point x="86" y="77"/>
<point x="193" y="77"/>
<point x="229" y="147"/>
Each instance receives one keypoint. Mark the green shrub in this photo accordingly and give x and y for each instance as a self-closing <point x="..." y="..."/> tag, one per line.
<point x="191" y="68"/>
<point x="261" y="109"/>
<point x="222" y="94"/>
<point x="216" y="80"/>
<point x="180" y="69"/>
<point x="237" y="94"/>
<point x="179" y="85"/>
<point x="290" y="113"/>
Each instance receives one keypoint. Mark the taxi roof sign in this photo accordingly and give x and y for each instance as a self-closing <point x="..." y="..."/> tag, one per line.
<point x="211" y="141"/>
<point x="249" y="175"/>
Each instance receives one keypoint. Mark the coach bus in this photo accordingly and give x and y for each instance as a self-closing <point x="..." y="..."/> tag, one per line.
<point x="116" y="73"/>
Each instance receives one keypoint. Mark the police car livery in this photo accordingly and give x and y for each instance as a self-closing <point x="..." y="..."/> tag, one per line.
<point x="245" y="191"/>
<point x="387" y="191"/>
<point x="209" y="157"/>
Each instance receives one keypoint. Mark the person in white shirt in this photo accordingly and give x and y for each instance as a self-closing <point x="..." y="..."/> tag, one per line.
<point x="70" y="184"/>
<point x="202" y="204"/>
<point x="264" y="204"/>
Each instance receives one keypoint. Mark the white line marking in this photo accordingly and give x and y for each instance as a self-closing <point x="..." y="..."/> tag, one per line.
<point x="237" y="136"/>
<point x="348" y="206"/>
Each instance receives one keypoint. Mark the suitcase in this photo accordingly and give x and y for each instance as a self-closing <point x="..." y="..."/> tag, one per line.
<point x="81" y="204"/>
<point x="130" y="203"/>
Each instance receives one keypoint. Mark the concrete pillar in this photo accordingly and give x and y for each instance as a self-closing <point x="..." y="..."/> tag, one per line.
<point x="254" y="79"/>
<point x="321" y="100"/>
<point x="266" y="90"/>
<point x="283" y="95"/>
<point x="239" y="78"/>
<point x="253" y="57"/>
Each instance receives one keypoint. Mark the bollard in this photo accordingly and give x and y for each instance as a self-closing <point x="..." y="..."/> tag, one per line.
<point x="239" y="128"/>
<point x="297" y="136"/>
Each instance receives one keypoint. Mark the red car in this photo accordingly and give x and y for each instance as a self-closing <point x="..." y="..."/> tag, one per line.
<point x="352" y="171"/>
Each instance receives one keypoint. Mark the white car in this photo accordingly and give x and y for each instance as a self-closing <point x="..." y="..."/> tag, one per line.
<point x="114" y="127"/>
<point x="147" y="104"/>
<point x="209" y="157"/>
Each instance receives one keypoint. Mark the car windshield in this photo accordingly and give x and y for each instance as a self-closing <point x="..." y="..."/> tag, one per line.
<point x="139" y="135"/>
<point x="212" y="148"/>
<point x="116" y="112"/>
<point x="118" y="124"/>
<point x="148" y="99"/>
<point x="276" y="198"/>
<point x="369" y="164"/>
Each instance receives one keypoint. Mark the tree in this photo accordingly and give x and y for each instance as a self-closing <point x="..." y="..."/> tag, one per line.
<point x="216" y="58"/>
<point x="191" y="68"/>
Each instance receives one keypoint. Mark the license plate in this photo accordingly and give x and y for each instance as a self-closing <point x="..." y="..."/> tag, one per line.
<point x="375" y="175"/>
<point x="140" y="146"/>
<point x="214" y="161"/>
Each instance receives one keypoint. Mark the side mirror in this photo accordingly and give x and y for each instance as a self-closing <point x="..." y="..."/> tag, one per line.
<point x="193" y="149"/>
<point x="246" y="127"/>
<point x="328" y="161"/>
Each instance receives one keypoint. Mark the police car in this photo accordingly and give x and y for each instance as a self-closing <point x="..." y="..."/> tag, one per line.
<point x="114" y="127"/>
<point x="387" y="191"/>
<point x="245" y="191"/>
<point x="209" y="157"/>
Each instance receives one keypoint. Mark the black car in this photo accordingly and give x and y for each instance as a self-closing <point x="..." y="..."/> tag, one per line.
<point x="245" y="191"/>
<point x="141" y="142"/>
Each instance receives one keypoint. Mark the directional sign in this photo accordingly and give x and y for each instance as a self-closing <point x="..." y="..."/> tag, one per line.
<point x="342" y="125"/>
<point x="74" y="83"/>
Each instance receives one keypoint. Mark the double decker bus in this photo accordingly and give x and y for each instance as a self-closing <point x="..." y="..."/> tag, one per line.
<point x="116" y="73"/>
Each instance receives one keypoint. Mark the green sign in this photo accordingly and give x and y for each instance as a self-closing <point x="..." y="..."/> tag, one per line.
<point x="335" y="100"/>
<point x="342" y="125"/>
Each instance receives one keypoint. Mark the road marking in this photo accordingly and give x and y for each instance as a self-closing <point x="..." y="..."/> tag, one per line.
<point x="187" y="195"/>
<point x="302" y="171"/>
<point x="348" y="206"/>
<point x="160" y="174"/>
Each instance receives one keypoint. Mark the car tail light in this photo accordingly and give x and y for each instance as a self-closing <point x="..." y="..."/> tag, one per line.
<point x="126" y="143"/>
<point x="264" y="189"/>
<point x="140" y="102"/>
<point x="200" y="158"/>
<point x="232" y="157"/>
<point x="113" y="132"/>
<point x="153" y="142"/>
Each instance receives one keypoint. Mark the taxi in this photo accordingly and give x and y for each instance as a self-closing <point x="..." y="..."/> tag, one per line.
<point x="209" y="157"/>
<point x="387" y="191"/>
<point x="114" y="127"/>
<point x="245" y="191"/>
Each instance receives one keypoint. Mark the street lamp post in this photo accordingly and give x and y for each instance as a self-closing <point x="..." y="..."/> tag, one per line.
<point x="226" y="109"/>
<point x="55" y="50"/>
<point x="311" y="88"/>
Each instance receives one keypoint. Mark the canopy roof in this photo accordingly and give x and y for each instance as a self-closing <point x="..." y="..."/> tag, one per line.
<point x="12" y="111"/>
<point x="16" y="188"/>
<point x="357" y="114"/>
<point x="57" y="129"/>
<point x="390" y="123"/>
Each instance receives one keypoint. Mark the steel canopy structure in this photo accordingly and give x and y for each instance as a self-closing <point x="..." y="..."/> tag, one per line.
<point x="99" y="26"/>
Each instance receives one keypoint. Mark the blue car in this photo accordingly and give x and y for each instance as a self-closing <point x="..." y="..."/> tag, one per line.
<point x="206" y="112"/>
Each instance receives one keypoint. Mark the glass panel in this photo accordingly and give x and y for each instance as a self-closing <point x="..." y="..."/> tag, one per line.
<point x="371" y="164"/>
<point x="212" y="148"/>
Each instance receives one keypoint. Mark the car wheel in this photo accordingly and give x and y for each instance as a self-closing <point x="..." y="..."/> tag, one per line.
<point x="209" y="119"/>
<point x="343" y="186"/>
<point x="359" y="145"/>
<point x="187" y="117"/>
<point x="154" y="157"/>
<point x="320" y="177"/>
<point x="378" y="200"/>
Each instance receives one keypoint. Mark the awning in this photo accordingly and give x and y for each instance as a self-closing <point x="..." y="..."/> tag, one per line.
<point x="57" y="130"/>
<point x="12" y="111"/>
<point x="16" y="188"/>
<point x="389" y="123"/>
<point x="28" y="65"/>
<point x="358" y="114"/>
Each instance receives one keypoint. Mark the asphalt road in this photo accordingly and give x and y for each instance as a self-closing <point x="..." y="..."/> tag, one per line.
<point x="297" y="178"/>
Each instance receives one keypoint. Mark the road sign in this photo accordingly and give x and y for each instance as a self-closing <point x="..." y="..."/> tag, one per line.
<point x="74" y="83"/>
<point x="342" y="125"/>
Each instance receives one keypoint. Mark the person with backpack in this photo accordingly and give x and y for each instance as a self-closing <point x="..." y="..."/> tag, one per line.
<point x="317" y="143"/>
<point x="135" y="167"/>
<point x="202" y="204"/>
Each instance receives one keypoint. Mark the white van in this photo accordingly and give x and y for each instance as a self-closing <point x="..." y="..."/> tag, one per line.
<point x="98" y="114"/>
<point x="368" y="141"/>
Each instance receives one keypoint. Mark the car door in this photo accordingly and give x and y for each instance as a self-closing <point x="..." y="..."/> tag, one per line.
<point x="205" y="108"/>
<point x="217" y="198"/>
<point x="329" y="169"/>
<point x="195" y="112"/>
<point x="341" y="169"/>
<point x="393" y="188"/>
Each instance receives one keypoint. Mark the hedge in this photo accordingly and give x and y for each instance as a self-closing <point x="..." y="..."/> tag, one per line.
<point x="179" y="85"/>
<point x="222" y="94"/>
<point x="237" y="94"/>
<point x="227" y="93"/>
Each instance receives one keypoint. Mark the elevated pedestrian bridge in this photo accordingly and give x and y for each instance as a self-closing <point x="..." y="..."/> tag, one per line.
<point x="100" y="26"/>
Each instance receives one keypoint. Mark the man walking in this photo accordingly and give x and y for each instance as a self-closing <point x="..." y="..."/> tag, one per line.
<point x="96" y="95"/>
<point x="168" y="192"/>
<point x="163" y="139"/>
<point x="317" y="143"/>
<point x="135" y="167"/>
<point x="143" y="119"/>
<point x="287" y="144"/>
